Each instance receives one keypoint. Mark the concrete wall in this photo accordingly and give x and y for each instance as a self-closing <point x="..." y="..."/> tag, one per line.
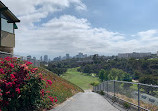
<point x="7" y="42"/>
<point x="7" y="39"/>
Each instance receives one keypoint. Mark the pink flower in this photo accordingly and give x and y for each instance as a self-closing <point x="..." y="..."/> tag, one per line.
<point x="13" y="83"/>
<point x="47" y="91"/>
<point x="23" y="65"/>
<point x="12" y="76"/>
<point x="42" y="92"/>
<point x="1" y="71"/>
<point x="7" y="58"/>
<point x="9" y="84"/>
<point x="7" y="92"/>
<point x="11" y="65"/>
<point x="2" y="62"/>
<point x="49" y="82"/>
<point x="17" y="90"/>
<point x="28" y="63"/>
<point x="0" y="94"/>
<point x="51" y="99"/>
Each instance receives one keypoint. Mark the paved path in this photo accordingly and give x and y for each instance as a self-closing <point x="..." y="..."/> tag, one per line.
<point x="87" y="101"/>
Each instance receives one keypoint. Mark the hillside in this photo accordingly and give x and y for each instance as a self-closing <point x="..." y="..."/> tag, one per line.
<point x="61" y="88"/>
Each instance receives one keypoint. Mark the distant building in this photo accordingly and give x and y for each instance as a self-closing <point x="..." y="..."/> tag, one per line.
<point x="29" y="58"/>
<point x="45" y="58"/>
<point x="57" y="58"/>
<point x="34" y="58"/>
<point x="80" y="55"/>
<point x="41" y="58"/>
<point x="67" y="56"/>
<point x="85" y="55"/>
<point x="134" y="55"/>
<point x="157" y="53"/>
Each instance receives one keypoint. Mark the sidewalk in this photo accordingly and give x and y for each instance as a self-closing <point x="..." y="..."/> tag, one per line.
<point x="87" y="101"/>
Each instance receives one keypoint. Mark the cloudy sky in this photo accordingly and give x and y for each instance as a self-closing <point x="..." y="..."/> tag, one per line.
<point x="106" y="27"/>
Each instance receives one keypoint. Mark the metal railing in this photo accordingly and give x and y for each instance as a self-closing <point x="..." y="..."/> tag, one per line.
<point x="142" y="96"/>
<point x="34" y="62"/>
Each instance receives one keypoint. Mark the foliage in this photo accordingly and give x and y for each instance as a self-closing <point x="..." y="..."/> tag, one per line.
<point x="132" y="68"/>
<point x="126" y="105"/>
<point x="94" y="83"/>
<point x="21" y="86"/>
<point x="149" y="80"/>
<point x="102" y="75"/>
<point x="101" y="92"/>
<point x="57" y="68"/>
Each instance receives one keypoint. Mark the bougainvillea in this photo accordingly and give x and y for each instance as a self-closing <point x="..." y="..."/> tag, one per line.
<point x="21" y="86"/>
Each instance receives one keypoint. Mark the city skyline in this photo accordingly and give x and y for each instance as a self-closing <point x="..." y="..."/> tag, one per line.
<point x="51" y="58"/>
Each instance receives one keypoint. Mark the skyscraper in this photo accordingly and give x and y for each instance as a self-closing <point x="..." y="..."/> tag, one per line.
<point x="41" y="58"/>
<point x="67" y="56"/>
<point x="45" y="58"/>
<point x="29" y="58"/>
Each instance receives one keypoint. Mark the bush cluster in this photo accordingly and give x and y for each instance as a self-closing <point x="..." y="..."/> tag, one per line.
<point x="22" y="86"/>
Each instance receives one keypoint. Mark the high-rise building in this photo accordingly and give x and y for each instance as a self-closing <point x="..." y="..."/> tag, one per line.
<point x="157" y="53"/>
<point x="67" y="56"/>
<point x="29" y="58"/>
<point x="41" y="58"/>
<point x="45" y="58"/>
<point x="80" y="55"/>
<point x="34" y="58"/>
<point x="85" y="55"/>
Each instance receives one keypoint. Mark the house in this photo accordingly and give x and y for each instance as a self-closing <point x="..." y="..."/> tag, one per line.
<point x="7" y="26"/>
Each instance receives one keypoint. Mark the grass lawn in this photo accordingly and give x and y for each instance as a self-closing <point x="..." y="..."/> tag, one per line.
<point x="79" y="79"/>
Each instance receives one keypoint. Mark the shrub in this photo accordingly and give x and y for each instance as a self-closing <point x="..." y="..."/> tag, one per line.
<point x="101" y="92"/>
<point x="126" y="105"/>
<point x="21" y="86"/>
<point x="94" y="84"/>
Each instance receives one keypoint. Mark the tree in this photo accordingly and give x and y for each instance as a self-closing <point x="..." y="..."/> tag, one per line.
<point x="149" y="80"/>
<point x="118" y="74"/>
<point x="101" y="74"/>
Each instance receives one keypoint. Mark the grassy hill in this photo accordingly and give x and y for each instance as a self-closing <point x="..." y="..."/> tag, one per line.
<point x="61" y="88"/>
<point x="79" y="79"/>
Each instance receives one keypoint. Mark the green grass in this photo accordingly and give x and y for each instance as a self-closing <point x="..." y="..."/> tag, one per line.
<point x="79" y="79"/>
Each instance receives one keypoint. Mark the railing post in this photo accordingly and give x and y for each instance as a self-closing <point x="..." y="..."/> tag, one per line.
<point x="95" y="88"/>
<point x="114" y="88"/>
<point x="103" y="85"/>
<point x="107" y="88"/>
<point x="138" y="97"/>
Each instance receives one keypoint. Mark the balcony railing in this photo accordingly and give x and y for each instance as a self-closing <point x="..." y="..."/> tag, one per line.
<point x="35" y="62"/>
<point x="140" y="96"/>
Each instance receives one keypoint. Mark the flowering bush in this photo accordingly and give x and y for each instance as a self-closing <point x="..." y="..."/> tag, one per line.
<point x="21" y="86"/>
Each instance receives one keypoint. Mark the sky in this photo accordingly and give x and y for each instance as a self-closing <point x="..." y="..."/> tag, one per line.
<point x="105" y="27"/>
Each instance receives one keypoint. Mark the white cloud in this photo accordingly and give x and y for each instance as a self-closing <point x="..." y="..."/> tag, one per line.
<point x="149" y="35"/>
<point x="69" y="34"/>
<point x="31" y="11"/>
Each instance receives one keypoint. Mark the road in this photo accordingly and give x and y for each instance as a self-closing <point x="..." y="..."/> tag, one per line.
<point x="87" y="101"/>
